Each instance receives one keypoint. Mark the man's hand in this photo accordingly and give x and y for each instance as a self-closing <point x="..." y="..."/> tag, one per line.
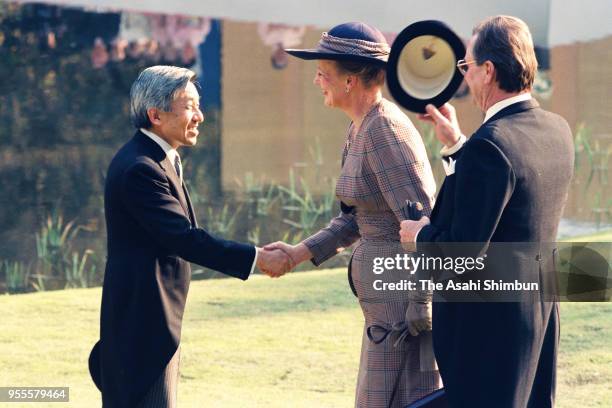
<point x="297" y="253"/>
<point x="274" y="263"/>
<point x="445" y="123"/>
<point x="418" y="317"/>
<point x="409" y="229"/>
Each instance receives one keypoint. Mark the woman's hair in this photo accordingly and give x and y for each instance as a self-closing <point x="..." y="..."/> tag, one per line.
<point x="370" y="74"/>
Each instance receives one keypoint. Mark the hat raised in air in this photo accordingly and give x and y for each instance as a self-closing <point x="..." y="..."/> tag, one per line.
<point x="422" y="65"/>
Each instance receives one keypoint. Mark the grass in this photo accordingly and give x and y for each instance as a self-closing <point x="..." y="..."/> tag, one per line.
<point x="604" y="236"/>
<point x="262" y="343"/>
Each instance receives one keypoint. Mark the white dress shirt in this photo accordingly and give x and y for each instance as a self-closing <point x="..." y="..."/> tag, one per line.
<point x="171" y="153"/>
<point x="504" y="103"/>
<point x="449" y="164"/>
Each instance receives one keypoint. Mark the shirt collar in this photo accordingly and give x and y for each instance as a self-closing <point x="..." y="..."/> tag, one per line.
<point x="504" y="103"/>
<point x="171" y="153"/>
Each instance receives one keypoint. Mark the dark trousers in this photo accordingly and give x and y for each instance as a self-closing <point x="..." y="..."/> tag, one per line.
<point x="162" y="393"/>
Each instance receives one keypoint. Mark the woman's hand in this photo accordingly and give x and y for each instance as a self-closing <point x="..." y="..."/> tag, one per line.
<point x="418" y="317"/>
<point x="274" y="263"/>
<point x="297" y="253"/>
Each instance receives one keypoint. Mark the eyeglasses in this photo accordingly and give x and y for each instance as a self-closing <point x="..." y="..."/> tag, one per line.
<point x="463" y="65"/>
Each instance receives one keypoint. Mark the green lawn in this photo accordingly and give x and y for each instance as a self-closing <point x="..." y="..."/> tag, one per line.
<point x="603" y="236"/>
<point x="293" y="342"/>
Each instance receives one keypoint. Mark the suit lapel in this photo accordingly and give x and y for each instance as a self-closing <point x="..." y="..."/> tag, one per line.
<point x="157" y="153"/>
<point x="194" y="222"/>
<point x="175" y="183"/>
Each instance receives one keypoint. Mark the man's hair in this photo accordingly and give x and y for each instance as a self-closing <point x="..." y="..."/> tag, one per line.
<point x="369" y="74"/>
<point x="156" y="87"/>
<point x="507" y="43"/>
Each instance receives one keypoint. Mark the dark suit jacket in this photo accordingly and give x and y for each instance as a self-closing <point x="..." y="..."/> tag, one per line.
<point x="510" y="185"/>
<point x="152" y="237"/>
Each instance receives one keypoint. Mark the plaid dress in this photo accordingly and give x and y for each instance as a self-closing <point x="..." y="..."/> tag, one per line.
<point x="384" y="164"/>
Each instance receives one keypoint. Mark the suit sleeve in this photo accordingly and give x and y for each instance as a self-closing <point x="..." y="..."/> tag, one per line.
<point x="145" y="192"/>
<point x="484" y="182"/>
<point x="341" y="232"/>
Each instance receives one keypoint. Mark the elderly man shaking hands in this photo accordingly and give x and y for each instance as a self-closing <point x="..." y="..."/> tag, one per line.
<point x="153" y="234"/>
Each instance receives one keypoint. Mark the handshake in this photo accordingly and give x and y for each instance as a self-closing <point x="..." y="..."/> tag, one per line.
<point x="278" y="258"/>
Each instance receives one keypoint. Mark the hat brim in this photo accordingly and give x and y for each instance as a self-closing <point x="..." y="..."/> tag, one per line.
<point x="423" y="28"/>
<point x="315" y="54"/>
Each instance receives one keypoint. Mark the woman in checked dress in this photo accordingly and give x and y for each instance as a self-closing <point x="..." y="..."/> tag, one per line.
<point x="384" y="163"/>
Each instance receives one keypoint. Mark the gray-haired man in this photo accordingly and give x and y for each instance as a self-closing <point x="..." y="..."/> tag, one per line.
<point x="152" y="237"/>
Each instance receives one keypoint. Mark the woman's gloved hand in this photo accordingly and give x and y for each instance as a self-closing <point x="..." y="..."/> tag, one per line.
<point x="418" y="317"/>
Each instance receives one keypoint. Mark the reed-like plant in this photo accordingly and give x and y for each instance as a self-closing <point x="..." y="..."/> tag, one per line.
<point x="253" y="235"/>
<point x="17" y="276"/>
<point x="221" y="222"/>
<point x="316" y="156"/>
<point x="261" y="196"/>
<point x="55" y="255"/>
<point x="431" y="142"/>
<point x="582" y="146"/>
<point x="305" y="211"/>
<point x="52" y="242"/>
<point x="601" y="210"/>
<point x="77" y="273"/>
<point x="601" y="161"/>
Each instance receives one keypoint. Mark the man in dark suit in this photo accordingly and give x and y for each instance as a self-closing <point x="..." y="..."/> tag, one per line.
<point x="508" y="183"/>
<point x="152" y="237"/>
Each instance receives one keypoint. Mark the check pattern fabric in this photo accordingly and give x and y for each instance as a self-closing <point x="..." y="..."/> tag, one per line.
<point x="384" y="164"/>
<point x="353" y="46"/>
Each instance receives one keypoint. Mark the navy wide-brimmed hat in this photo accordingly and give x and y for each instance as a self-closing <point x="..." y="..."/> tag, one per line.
<point x="349" y="42"/>
<point x="422" y="66"/>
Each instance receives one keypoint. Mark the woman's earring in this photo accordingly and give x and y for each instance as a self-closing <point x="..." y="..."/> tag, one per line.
<point x="347" y="89"/>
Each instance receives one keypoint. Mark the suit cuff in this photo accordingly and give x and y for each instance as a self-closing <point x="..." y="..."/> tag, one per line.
<point x="447" y="151"/>
<point x="254" y="262"/>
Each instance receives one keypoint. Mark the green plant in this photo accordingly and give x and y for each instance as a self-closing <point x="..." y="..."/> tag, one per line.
<point x="51" y="244"/>
<point x="195" y="197"/>
<point x="260" y="196"/>
<point x="17" y="276"/>
<point x="599" y="209"/>
<point x="253" y="236"/>
<point x="316" y="155"/>
<point x="303" y="208"/>
<point x="601" y="159"/>
<point x="55" y="257"/>
<point x="582" y="144"/>
<point x="431" y="142"/>
<point x="292" y="239"/>
<point x="221" y="222"/>
<point x="76" y="273"/>
<point x="250" y="184"/>
<point x="39" y="284"/>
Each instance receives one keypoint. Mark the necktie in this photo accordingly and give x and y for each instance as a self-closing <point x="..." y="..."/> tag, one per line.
<point x="178" y="167"/>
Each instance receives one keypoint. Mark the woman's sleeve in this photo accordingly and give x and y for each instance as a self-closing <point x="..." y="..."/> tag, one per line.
<point x="341" y="232"/>
<point x="396" y="155"/>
